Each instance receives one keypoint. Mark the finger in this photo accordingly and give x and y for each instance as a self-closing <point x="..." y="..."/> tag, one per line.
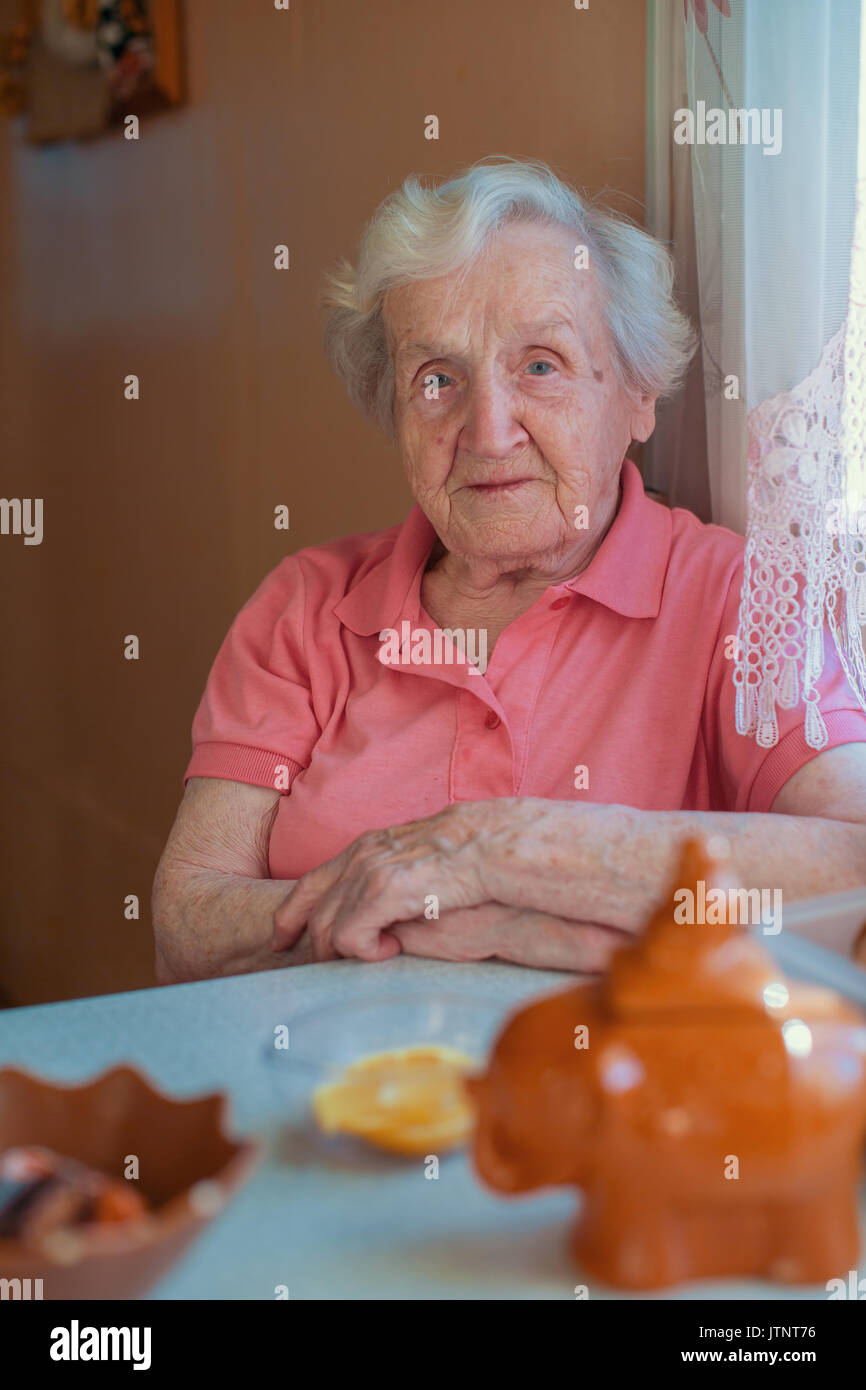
<point x="315" y="901"/>
<point x="324" y="948"/>
<point x="292" y="914"/>
<point x="383" y="947"/>
<point x="435" y="942"/>
<point x="387" y="947"/>
<point x="554" y="943"/>
<point x="329" y="944"/>
<point x="461" y="934"/>
<point x="393" y="893"/>
<point x="321" y="945"/>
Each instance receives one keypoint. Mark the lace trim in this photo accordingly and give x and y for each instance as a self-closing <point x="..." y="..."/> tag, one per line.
<point x="805" y="559"/>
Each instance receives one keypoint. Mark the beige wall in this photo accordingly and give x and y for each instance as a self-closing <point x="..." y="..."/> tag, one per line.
<point x="156" y="258"/>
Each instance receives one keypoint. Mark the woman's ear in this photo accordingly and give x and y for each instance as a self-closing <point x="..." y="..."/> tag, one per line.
<point x="643" y="417"/>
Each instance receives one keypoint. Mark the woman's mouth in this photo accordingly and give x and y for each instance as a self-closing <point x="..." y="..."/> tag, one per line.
<point x="506" y="486"/>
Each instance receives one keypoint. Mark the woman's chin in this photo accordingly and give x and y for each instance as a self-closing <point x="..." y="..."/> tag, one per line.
<point x="508" y="533"/>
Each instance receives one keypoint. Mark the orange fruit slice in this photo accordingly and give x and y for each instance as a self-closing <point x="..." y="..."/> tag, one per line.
<point x="409" y="1101"/>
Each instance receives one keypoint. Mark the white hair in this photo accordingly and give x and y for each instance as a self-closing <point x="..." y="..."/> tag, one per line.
<point x="421" y="232"/>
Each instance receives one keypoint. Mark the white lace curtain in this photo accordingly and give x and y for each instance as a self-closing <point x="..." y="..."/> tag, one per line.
<point x="769" y="228"/>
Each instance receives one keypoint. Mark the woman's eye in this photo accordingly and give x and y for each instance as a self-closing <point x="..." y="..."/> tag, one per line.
<point x="434" y="382"/>
<point x="546" y="368"/>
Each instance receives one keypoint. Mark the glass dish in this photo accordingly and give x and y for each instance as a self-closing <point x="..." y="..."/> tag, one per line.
<point x="323" y="1042"/>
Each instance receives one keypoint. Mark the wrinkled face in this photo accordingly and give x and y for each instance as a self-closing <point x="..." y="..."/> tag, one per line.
<point x="509" y="414"/>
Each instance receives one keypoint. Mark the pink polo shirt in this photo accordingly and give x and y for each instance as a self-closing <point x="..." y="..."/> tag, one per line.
<point x="613" y="687"/>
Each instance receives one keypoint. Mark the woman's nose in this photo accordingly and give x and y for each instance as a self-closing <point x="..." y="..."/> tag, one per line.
<point x="492" y="427"/>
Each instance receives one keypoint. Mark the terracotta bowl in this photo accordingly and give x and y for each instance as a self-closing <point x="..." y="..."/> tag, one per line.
<point x="188" y="1171"/>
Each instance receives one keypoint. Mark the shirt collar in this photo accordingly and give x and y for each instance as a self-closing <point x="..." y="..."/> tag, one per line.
<point x="626" y="574"/>
<point x="379" y="597"/>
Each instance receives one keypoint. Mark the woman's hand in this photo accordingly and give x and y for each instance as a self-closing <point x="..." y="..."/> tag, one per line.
<point x="519" y="935"/>
<point x="387" y="877"/>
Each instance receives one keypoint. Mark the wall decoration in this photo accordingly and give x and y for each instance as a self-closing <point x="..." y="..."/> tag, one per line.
<point x="75" y="68"/>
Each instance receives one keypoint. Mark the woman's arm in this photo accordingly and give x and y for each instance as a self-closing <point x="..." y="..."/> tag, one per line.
<point x="619" y="859"/>
<point x="607" y="865"/>
<point x="213" y="902"/>
<point x="514" y="934"/>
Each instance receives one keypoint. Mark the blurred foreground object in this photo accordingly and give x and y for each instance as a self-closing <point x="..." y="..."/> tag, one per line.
<point x="43" y="1194"/>
<point x="188" y="1169"/>
<point x="409" y="1101"/>
<point x="712" y="1112"/>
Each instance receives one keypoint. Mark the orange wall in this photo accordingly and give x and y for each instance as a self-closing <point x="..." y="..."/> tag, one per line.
<point x="157" y="258"/>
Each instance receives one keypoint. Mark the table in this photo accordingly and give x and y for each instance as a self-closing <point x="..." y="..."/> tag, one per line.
<point x="324" y="1229"/>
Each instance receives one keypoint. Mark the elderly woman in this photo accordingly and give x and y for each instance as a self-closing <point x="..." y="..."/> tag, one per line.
<point x="485" y="732"/>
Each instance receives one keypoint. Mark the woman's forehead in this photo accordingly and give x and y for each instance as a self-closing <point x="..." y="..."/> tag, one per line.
<point x="518" y="291"/>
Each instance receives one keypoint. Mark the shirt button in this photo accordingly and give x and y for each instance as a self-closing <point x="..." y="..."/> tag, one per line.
<point x="492" y="720"/>
<point x="560" y="603"/>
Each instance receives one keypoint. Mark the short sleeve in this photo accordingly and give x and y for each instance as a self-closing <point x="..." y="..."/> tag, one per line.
<point x="744" y="776"/>
<point x="255" y="721"/>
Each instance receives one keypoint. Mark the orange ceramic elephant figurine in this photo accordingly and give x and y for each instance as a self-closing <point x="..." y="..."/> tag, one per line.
<point x="712" y="1112"/>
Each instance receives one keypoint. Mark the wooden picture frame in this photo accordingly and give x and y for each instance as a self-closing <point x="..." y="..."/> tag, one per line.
<point x="166" y="87"/>
<point x="77" y="68"/>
